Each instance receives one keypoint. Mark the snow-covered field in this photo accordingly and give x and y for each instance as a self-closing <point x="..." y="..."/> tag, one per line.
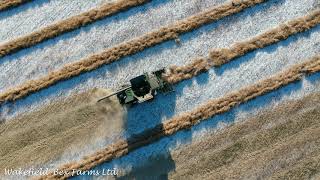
<point x="37" y="61"/>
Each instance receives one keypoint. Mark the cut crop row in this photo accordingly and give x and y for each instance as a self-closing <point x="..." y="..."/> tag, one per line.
<point x="189" y="119"/>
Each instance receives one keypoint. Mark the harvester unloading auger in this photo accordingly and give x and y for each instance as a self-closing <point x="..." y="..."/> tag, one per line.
<point x="141" y="88"/>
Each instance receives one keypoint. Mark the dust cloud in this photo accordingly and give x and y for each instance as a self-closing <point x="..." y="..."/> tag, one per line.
<point x="72" y="124"/>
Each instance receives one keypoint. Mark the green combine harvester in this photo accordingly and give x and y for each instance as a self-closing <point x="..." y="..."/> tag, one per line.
<point x="141" y="88"/>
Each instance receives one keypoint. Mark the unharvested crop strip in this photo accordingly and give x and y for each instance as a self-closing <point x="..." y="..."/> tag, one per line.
<point x="221" y="56"/>
<point x="7" y="4"/>
<point x="67" y="25"/>
<point x="189" y="119"/>
<point x="128" y="48"/>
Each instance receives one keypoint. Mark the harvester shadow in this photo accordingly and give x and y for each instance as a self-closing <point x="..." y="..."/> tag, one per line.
<point x="66" y="85"/>
<point x="227" y="117"/>
<point x="155" y="168"/>
<point x="153" y="146"/>
<point x="235" y="63"/>
<point x="139" y="117"/>
<point x="68" y="35"/>
<point x="23" y="7"/>
<point x="148" y="114"/>
<point x="144" y="121"/>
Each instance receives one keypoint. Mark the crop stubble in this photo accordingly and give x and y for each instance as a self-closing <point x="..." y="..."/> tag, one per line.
<point x="63" y="126"/>
<point x="188" y="119"/>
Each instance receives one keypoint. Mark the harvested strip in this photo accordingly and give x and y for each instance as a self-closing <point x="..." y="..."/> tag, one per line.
<point x="306" y="169"/>
<point x="187" y="120"/>
<point x="128" y="48"/>
<point x="248" y="148"/>
<point x="59" y="129"/>
<point x="221" y="56"/>
<point x="66" y="25"/>
<point x="7" y="4"/>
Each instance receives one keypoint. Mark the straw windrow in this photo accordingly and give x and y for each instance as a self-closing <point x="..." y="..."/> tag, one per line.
<point x="189" y="119"/>
<point x="282" y="32"/>
<point x="7" y="4"/>
<point x="67" y="25"/>
<point x="219" y="57"/>
<point x="128" y="48"/>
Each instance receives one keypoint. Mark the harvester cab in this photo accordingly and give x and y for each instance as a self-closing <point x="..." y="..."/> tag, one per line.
<point x="142" y="88"/>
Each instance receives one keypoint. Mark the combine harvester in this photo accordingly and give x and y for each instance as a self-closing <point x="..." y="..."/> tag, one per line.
<point x="141" y="88"/>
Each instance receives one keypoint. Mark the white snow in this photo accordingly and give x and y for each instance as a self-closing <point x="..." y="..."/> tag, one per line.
<point x="39" y="60"/>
